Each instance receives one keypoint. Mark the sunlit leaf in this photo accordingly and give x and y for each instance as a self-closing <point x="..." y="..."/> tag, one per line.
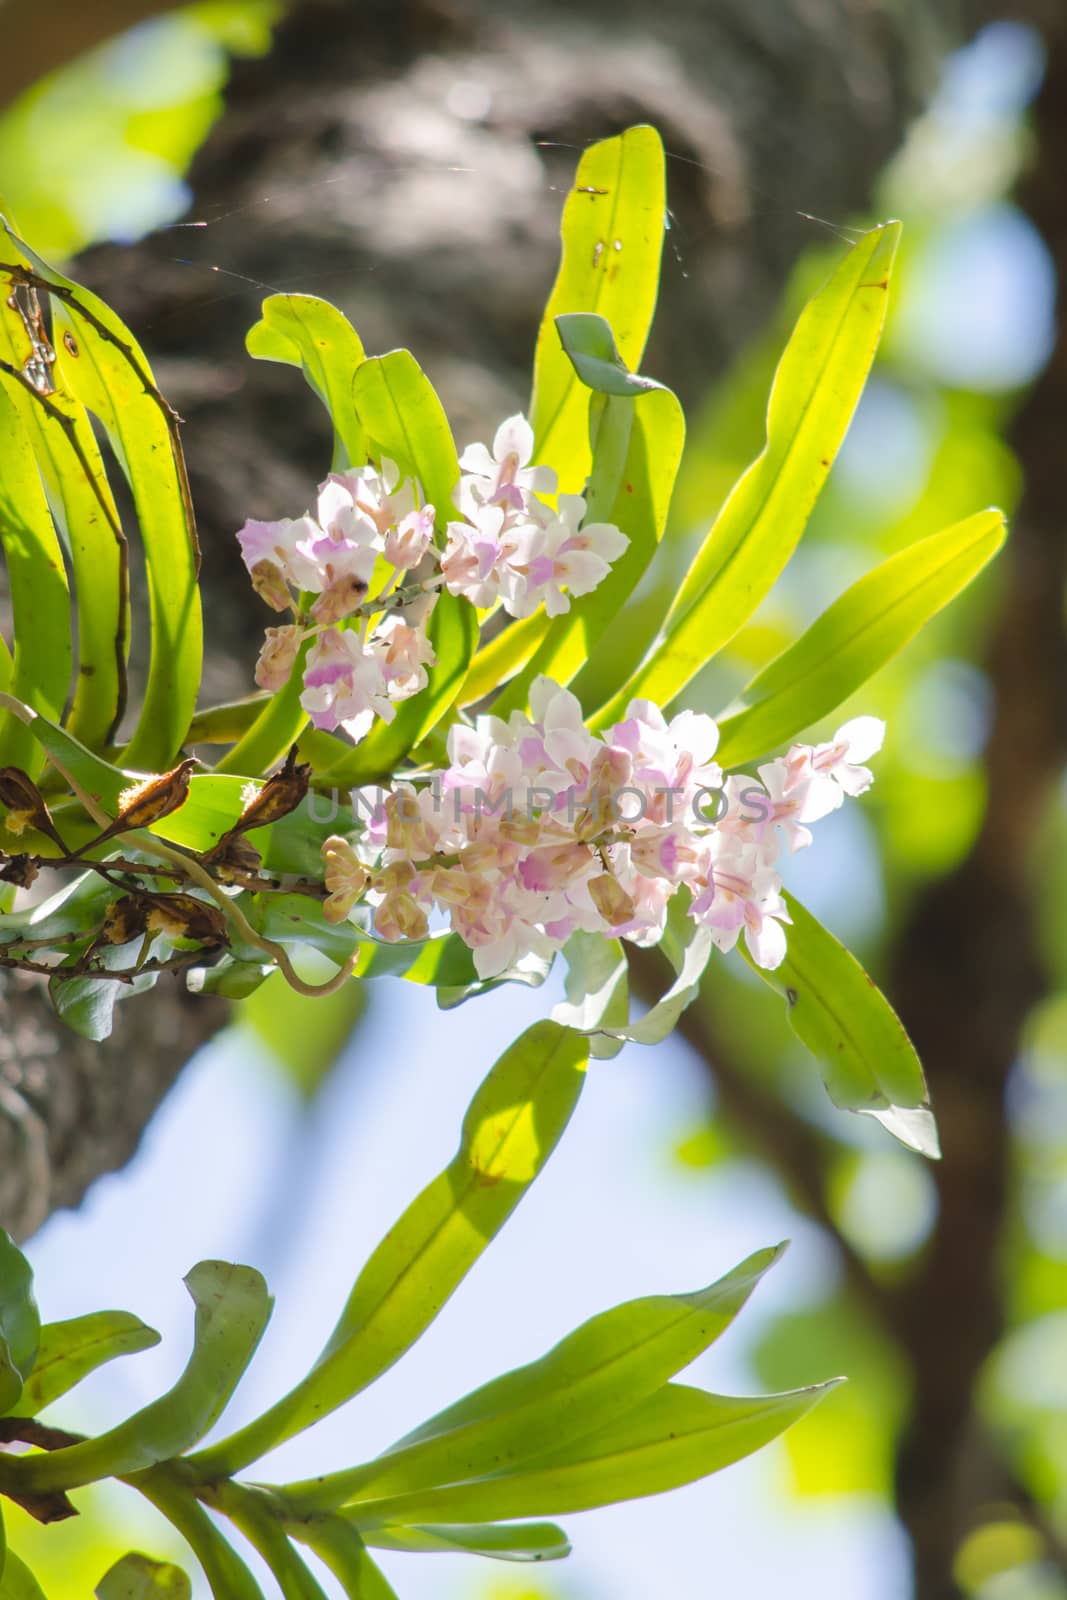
<point x="406" y="422"/>
<point x="227" y="1576"/>
<point x="443" y="960"/>
<point x="341" y="1548"/>
<point x="304" y="331"/>
<point x="138" y="1577"/>
<point x="257" y="1521"/>
<point x="18" y="1582"/>
<point x="70" y="1350"/>
<point x="868" y="1062"/>
<point x="84" y="511"/>
<point x="515" y="1541"/>
<point x="511" y="1128"/>
<point x="599" y="1372"/>
<point x="40" y="600"/>
<point x="860" y="632"/>
<point x="20" y="1322"/>
<point x="232" y="1308"/>
<point x="279" y="720"/>
<point x="673" y="1437"/>
<point x="612" y="231"/>
<point x="107" y="372"/>
<point x="498" y="660"/>
<point x="816" y="389"/>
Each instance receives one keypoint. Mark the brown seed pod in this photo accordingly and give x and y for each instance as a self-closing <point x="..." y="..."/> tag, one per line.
<point x="280" y="795"/>
<point x="158" y="797"/>
<point x="183" y="916"/>
<point x="20" y="870"/>
<point x="145" y="803"/>
<point x="233" y="856"/>
<point x="26" y="805"/>
<point x="124" y="920"/>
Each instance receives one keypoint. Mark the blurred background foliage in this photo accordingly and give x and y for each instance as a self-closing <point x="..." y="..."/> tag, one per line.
<point x="98" y="151"/>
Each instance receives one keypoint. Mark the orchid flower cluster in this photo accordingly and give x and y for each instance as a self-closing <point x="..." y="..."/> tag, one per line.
<point x="368" y="559"/>
<point x="539" y="828"/>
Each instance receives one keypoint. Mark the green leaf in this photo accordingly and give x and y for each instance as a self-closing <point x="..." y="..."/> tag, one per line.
<point x="641" y="500"/>
<point x="509" y="650"/>
<point x="868" y="1062"/>
<point x="86" y="1005"/>
<point x="297" y="919"/>
<point x="612" y="232"/>
<point x="232" y="1308"/>
<point x="859" y="633"/>
<point x="75" y="908"/>
<point x="531" y="971"/>
<point x="40" y="599"/>
<point x="597" y="987"/>
<point x="689" y="955"/>
<point x="100" y="780"/>
<point x="598" y="1373"/>
<point x="442" y="960"/>
<point x="70" y="1350"/>
<point x="673" y="1437"/>
<point x="138" y="1577"/>
<point x="20" y="1322"/>
<point x="815" y="392"/>
<point x="106" y="371"/>
<point x="507" y="1541"/>
<point x="84" y="512"/>
<point x="590" y="345"/>
<point x="511" y="1128"/>
<point x="227" y="1575"/>
<point x="255" y="1517"/>
<point x="304" y="331"/>
<point x="338" y="1544"/>
<point x="18" y="1582"/>
<point x="277" y="724"/>
<point x="233" y="979"/>
<point x="405" y="421"/>
<point x="292" y="844"/>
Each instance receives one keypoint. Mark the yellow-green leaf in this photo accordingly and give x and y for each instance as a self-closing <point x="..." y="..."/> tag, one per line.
<point x="303" y="331"/>
<point x="859" y="633"/>
<point x="815" y="392"/>
<point x="675" y="1436"/>
<point x="612" y="232"/>
<point x="40" y="599"/>
<point x="511" y="1128"/>
<point x="868" y="1062"/>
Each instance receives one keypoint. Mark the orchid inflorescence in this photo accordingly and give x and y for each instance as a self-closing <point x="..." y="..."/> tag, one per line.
<point x="537" y="828"/>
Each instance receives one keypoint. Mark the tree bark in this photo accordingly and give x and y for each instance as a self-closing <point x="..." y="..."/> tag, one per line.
<point x="41" y="38"/>
<point x="71" y="1110"/>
